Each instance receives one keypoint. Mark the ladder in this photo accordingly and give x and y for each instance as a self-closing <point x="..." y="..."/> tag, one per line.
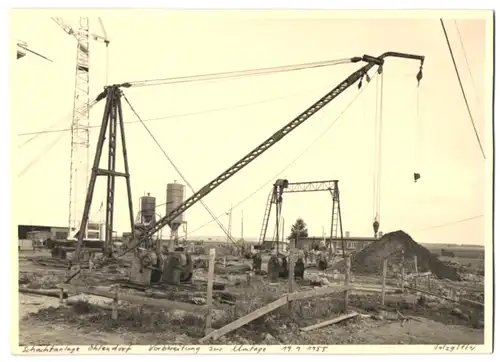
<point x="265" y="221"/>
<point x="335" y="217"/>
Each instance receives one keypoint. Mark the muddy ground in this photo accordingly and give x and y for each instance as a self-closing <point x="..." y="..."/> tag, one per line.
<point x="43" y="321"/>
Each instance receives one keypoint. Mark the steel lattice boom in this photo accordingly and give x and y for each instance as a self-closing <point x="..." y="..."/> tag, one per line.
<point x="311" y="186"/>
<point x="355" y="77"/>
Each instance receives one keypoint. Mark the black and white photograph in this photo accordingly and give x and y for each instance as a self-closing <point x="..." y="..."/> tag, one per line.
<point x="251" y="181"/>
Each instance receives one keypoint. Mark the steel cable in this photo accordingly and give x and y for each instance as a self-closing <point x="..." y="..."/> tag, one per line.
<point x="238" y="74"/>
<point x="273" y="178"/>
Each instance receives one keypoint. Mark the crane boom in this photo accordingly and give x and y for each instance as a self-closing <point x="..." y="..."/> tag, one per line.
<point x="69" y="30"/>
<point x="276" y="137"/>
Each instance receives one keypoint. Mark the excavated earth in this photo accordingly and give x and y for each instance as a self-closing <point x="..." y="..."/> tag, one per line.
<point x="399" y="249"/>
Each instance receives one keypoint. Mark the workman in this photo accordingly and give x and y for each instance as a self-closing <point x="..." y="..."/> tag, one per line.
<point x="273" y="267"/>
<point x="257" y="262"/>
<point x="322" y="260"/>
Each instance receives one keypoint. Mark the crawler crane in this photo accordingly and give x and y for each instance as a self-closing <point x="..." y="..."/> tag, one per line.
<point x="151" y="266"/>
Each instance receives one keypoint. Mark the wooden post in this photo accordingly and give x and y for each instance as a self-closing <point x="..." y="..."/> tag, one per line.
<point x="291" y="266"/>
<point x="403" y="277"/>
<point x="384" y="275"/>
<point x="415" y="261"/>
<point x="61" y="296"/>
<point x="114" y="311"/>
<point x="249" y="278"/>
<point x="210" y="284"/>
<point x="347" y="281"/>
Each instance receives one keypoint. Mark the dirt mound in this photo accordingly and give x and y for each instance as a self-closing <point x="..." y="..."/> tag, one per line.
<point x="395" y="246"/>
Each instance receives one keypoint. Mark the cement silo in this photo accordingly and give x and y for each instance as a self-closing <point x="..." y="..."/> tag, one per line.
<point x="148" y="209"/>
<point x="175" y="198"/>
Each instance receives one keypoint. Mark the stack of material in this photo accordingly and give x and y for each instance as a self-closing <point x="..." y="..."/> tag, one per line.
<point x="398" y="247"/>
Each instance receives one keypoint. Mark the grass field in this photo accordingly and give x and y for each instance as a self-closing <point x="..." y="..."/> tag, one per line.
<point x="459" y="251"/>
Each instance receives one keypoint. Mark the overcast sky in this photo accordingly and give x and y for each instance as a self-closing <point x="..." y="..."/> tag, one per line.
<point x="438" y="141"/>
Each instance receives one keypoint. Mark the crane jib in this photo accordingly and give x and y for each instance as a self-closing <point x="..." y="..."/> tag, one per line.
<point x="277" y="136"/>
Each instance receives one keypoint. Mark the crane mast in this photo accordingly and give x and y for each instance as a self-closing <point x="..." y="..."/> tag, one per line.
<point x="80" y="142"/>
<point x="80" y="125"/>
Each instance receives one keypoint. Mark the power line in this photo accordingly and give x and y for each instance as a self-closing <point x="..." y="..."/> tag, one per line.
<point x="39" y="156"/>
<point x="60" y="121"/>
<point x="272" y="179"/>
<point x="467" y="62"/>
<point x="462" y="88"/>
<point x="180" y="115"/>
<point x="451" y="223"/>
<point x="243" y="73"/>
<point x="177" y="169"/>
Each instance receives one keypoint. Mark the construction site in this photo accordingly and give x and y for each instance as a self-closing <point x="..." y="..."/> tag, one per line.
<point x="154" y="284"/>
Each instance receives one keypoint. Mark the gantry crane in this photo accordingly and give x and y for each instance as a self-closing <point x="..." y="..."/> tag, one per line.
<point x="113" y="118"/>
<point x="282" y="186"/>
<point x="80" y="143"/>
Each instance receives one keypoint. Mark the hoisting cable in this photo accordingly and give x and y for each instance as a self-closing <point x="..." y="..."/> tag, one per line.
<point x="375" y="154"/>
<point x="311" y="145"/>
<point x="187" y="114"/>
<point x="179" y="172"/>
<point x="241" y="73"/>
<point x="378" y="152"/>
<point x="462" y="88"/>
<point x="418" y="147"/>
<point x="107" y="64"/>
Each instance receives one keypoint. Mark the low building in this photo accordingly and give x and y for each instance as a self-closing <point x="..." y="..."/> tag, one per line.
<point x="352" y="243"/>
<point x="39" y="231"/>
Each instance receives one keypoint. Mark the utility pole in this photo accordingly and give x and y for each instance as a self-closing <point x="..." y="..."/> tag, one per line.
<point x="230" y="221"/>
<point x="242" y="225"/>
<point x="283" y="229"/>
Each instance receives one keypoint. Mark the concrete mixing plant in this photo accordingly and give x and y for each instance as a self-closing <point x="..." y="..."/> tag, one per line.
<point x="176" y="194"/>
<point x="147" y="212"/>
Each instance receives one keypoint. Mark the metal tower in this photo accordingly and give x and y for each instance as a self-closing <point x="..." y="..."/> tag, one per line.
<point x="80" y="142"/>
<point x="80" y="125"/>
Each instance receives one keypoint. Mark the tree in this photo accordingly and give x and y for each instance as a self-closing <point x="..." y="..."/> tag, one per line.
<point x="299" y="228"/>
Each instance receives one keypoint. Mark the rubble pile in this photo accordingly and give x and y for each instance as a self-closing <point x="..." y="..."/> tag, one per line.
<point x="399" y="248"/>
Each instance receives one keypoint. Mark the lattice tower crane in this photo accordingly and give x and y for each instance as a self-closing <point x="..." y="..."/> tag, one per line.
<point x="80" y="126"/>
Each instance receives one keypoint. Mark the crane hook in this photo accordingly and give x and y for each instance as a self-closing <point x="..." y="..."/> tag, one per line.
<point x="376" y="225"/>
<point x="419" y="76"/>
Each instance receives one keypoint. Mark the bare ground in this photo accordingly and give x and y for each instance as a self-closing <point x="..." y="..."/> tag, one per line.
<point x="43" y="321"/>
